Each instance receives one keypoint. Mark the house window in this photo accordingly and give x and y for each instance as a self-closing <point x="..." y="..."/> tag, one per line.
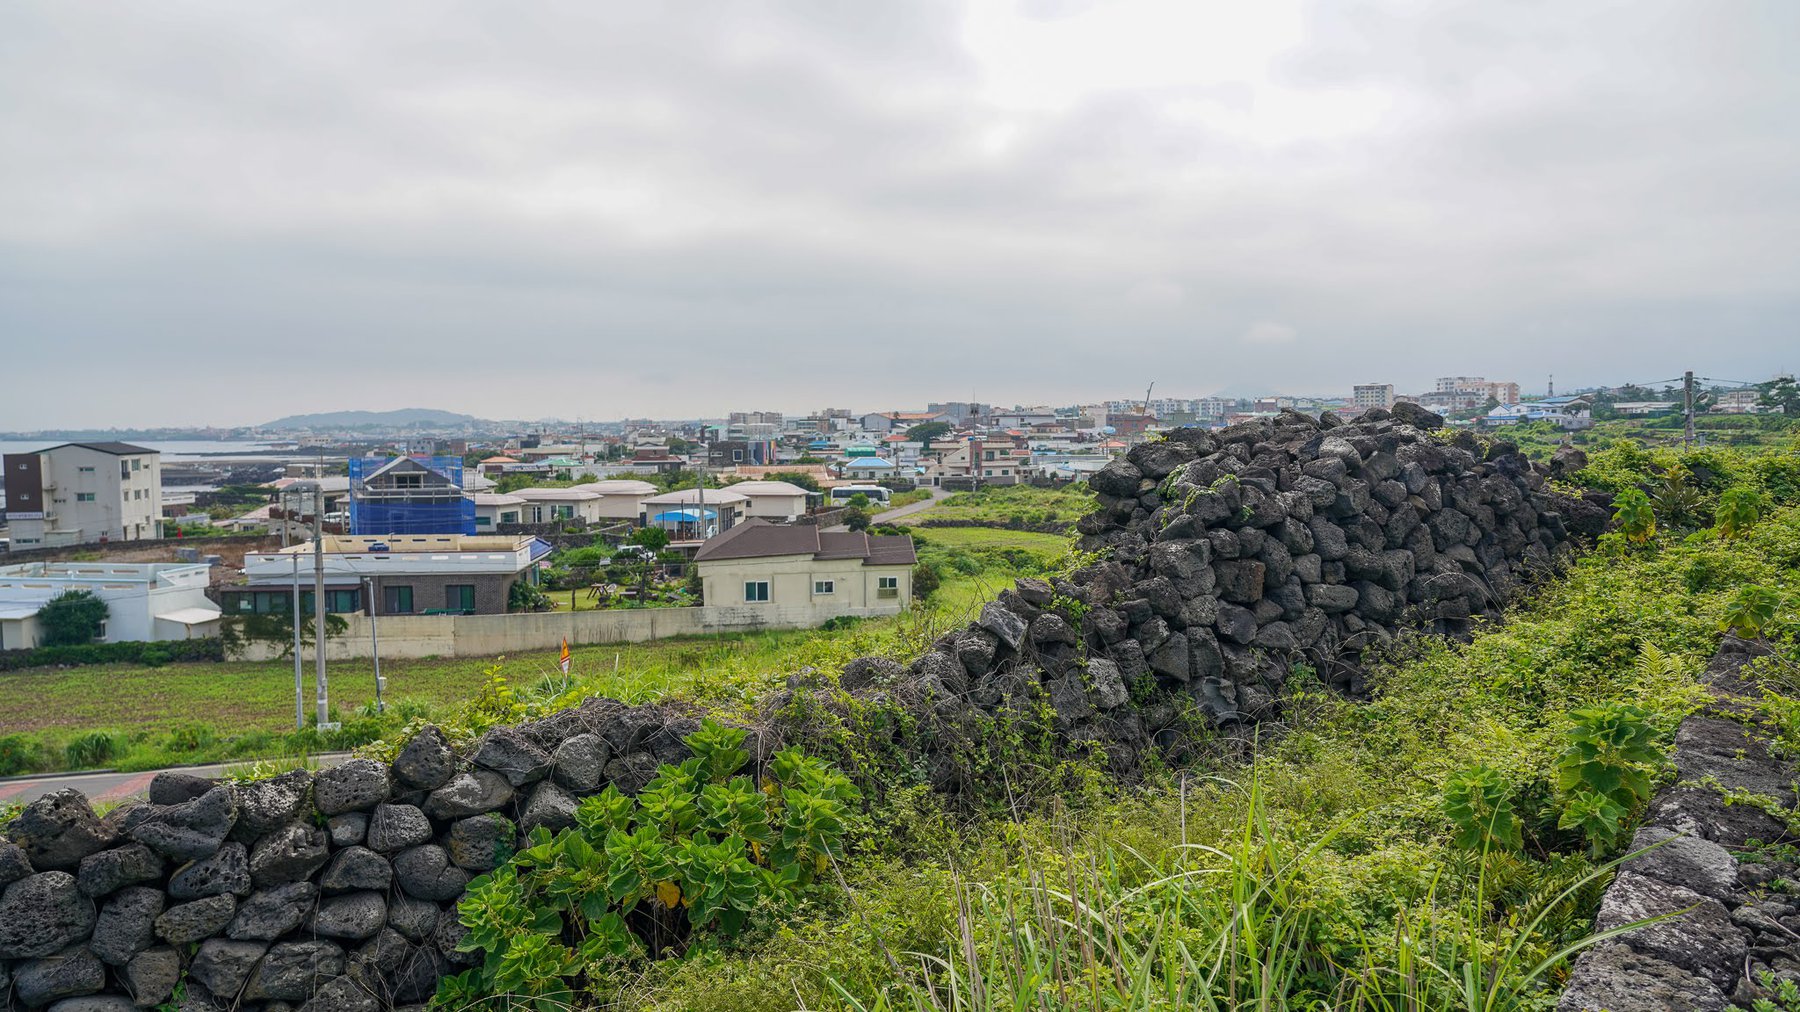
<point x="136" y="463"/>
<point x="561" y="512"/>
<point x="737" y="455"/>
<point x="84" y="497"/>
<point x="397" y="599"/>
<point x="824" y="587"/>
<point x="510" y="517"/>
<point x="887" y="586"/>
<point x="756" y="590"/>
<point x="409" y="481"/>
<point x="460" y="597"/>
<point x="484" y="521"/>
<point x="341" y="601"/>
<point x="85" y="470"/>
<point x="124" y="470"/>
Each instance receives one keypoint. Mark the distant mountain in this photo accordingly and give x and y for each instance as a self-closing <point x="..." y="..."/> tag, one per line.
<point x="398" y="419"/>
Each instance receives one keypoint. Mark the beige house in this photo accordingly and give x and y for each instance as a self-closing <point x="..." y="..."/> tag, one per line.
<point x="797" y="573"/>
<point x="620" y="498"/>
<point x="548" y="505"/>
<point x="772" y="500"/>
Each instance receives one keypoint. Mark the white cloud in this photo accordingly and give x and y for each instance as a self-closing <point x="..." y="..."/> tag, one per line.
<point x="1269" y="333"/>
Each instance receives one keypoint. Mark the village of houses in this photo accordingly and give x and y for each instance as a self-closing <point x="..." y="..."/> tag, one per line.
<point x="760" y="520"/>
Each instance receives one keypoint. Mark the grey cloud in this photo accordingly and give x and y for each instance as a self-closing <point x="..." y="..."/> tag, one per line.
<point x="608" y="209"/>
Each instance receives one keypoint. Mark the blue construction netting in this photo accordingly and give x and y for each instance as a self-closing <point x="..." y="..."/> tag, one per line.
<point x="409" y="495"/>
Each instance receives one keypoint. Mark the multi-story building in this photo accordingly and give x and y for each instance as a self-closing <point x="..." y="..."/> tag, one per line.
<point x="430" y="574"/>
<point x="1373" y="395"/>
<point x="78" y="493"/>
<point x="409" y="495"/>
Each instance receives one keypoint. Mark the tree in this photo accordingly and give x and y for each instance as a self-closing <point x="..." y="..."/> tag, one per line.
<point x="1781" y="393"/>
<point x="925" y="432"/>
<point x="72" y="618"/>
<point x="856" y="519"/>
<point x="654" y="538"/>
<point x="795" y="478"/>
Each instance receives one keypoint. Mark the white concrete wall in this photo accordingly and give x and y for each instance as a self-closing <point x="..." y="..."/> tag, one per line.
<point x="415" y="636"/>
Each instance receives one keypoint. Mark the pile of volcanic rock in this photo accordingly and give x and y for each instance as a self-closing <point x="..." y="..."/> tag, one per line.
<point x="323" y="892"/>
<point x="1227" y="557"/>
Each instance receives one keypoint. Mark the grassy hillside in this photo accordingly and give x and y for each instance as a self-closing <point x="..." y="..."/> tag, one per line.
<point x="1325" y="873"/>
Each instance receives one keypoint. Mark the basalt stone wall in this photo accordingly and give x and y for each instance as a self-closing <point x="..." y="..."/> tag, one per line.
<point x="1228" y="557"/>
<point x="1736" y="920"/>
<point x="327" y="892"/>
<point x="1223" y="560"/>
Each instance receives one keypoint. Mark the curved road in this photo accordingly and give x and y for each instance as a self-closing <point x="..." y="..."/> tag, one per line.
<point x="113" y="786"/>
<point x="896" y="513"/>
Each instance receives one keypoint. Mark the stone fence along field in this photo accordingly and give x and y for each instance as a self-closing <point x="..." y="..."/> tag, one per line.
<point x="1222" y="561"/>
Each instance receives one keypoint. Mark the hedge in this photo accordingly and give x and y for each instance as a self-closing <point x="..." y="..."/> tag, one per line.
<point x="152" y="654"/>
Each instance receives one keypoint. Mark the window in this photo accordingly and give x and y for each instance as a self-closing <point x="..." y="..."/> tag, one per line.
<point x="397" y="599"/>
<point x="84" y="497"/>
<point x="887" y="586"/>
<point x="136" y="463"/>
<point x="342" y="601"/>
<point x="264" y="602"/>
<point x="484" y="521"/>
<point x="509" y="517"/>
<point x="737" y="455"/>
<point x="756" y="590"/>
<point x="409" y="481"/>
<point x="124" y="470"/>
<point x="824" y="587"/>
<point x="85" y="470"/>
<point x="459" y="597"/>
<point x="561" y="512"/>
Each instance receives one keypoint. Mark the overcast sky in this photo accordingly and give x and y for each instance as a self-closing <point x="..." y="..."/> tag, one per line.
<point x="219" y="213"/>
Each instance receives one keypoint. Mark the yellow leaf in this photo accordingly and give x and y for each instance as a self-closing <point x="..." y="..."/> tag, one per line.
<point x="756" y="852"/>
<point x="819" y="863"/>
<point x="669" y="893"/>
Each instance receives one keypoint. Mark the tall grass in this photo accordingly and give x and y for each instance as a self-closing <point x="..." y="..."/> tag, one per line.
<point x="1228" y="928"/>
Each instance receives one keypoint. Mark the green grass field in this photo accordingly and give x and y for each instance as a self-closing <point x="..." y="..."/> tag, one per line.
<point x="50" y="707"/>
<point x="1002" y="503"/>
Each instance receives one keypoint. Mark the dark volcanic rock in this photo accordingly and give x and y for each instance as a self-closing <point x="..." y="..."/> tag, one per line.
<point x="272" y="912"/>
<point x="426" y="872"/>
<point x="513" y="756"/>
<point x="126" y="924"/>
<point x="191" y="922"/>
<point x="110" y="870"/>
<point x="397" y="827"/>
<point x="57" y="830"/>
<point x="42" y="913"/>
<point x="289" y="854"/>
<point x="227" y="870"/>
<point x="469" y="793"/>
<point x="355" y="786"/>
<point x="426" y="763"/>
<point x="73" y="971"/>
<point x="190" y="830"/>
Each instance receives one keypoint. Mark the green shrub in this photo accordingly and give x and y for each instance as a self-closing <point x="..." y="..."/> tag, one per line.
<point x="91" y="750"/>
<point x="698" y="849"/>
<point x="1605" y="772"/>
<point x="72" y="618"/>
<point x="1739" y="509"/>
<point x="1751" y="611"/>
<point x="1479" y="802"/>
<point x="20" y="754"/>
<point x="1634" y="516"/>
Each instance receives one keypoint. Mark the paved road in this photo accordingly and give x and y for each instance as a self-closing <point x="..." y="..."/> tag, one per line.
<point x="901" y="511"/>
<point x="118" y="786"/>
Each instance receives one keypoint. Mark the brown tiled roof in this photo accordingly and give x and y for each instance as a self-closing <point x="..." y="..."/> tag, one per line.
<point x="890" y="550"/>
<point x="758" y="538"/>
<point x="755" y="539"/>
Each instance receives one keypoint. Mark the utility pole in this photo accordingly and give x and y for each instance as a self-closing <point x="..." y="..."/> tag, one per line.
<point x="1687" y="408"/>
<point x="375" y="650"/>
<point x="1147" y="390"/>
<point x="294" y="557"/>
<point x="321" y="702"/>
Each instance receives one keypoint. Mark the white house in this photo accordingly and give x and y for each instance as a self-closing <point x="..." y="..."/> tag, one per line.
<point x="495" y="508"/>
<point x="797" y="573"/>
<point x="694" y="514"/>
<point x="144" y="600"/>
<point x="869" y="468"/>
<point x="772" y="500"/>
<point x="547" y="505"/>
<point x="407" y="574"/>
<point x="620" y="498"/>
<point x="78" y="493"/>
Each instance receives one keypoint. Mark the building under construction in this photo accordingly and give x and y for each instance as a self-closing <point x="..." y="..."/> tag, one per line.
<point x="409" y="495"/>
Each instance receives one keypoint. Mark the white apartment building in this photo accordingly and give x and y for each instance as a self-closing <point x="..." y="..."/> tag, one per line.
<point x="144" y="601"/>
<point x="1373" y="395"/>
<point x="79" y="493"/>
